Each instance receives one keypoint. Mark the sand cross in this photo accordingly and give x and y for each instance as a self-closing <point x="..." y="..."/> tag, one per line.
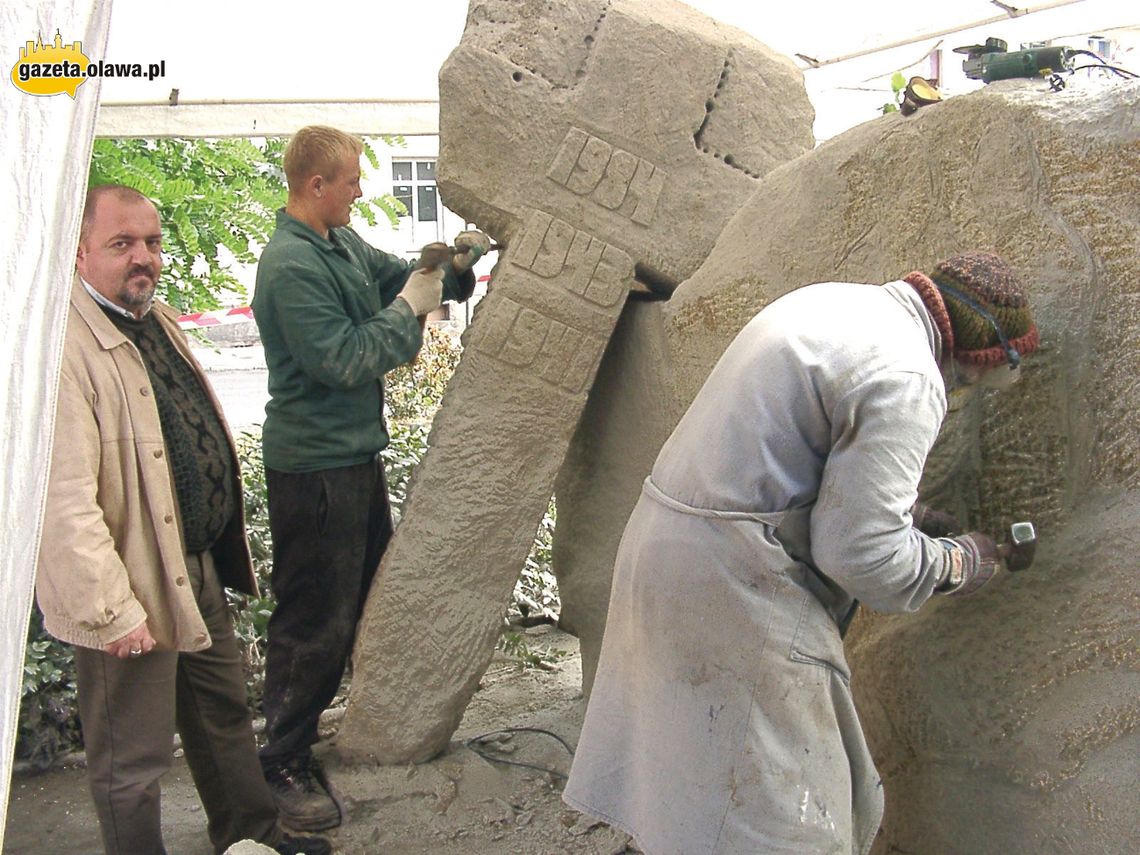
<point x="606" y="144"/>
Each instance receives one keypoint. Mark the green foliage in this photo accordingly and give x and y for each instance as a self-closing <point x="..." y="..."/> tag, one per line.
<point x="213" y="196"/>
<point x="255" y="498"/>
<point x="514" y="645"/>
<point x="387" y="205"/>
<point x="535" y="598"/>
<point x="251" y="614"/>
<point x="414" y="391"/>
<point x="536" y="593"/>
<point x="412" y="395"/>
<point x="406" y="448"/>
<point x="898" y="84"/>
<point x="48" y="724"/>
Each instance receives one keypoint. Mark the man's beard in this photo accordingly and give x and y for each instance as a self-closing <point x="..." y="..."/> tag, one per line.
<point x="134" y="297"/>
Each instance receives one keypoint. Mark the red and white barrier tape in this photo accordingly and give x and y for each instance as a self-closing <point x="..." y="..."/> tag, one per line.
<point x="217" y="318"/>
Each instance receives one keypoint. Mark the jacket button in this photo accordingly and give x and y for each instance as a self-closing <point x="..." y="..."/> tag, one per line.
<point x="180" y="581"/>
<point x="168" y="519"/>
<point x="158" y="452"/>
<point x="144" y="391"/>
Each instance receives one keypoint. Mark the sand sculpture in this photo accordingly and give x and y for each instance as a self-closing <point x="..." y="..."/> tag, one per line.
<point x="580" y="134"/>
<point x="1006" y="722"/>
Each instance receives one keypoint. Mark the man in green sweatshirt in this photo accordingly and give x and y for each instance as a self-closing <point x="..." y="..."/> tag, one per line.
<point x="335" y="314"/>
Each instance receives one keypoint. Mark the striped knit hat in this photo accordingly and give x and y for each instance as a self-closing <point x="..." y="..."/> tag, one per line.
<point x="987" y="307"/>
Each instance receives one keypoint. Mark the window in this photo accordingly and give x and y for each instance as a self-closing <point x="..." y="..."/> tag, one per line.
<point x="403" y="192"/>
<point x="426" y="203"/>
<point x="418" y="193"/>
<point x="1101" y="46"/>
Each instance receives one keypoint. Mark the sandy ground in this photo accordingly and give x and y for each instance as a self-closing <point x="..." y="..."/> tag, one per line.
<point x="458" y="803"/>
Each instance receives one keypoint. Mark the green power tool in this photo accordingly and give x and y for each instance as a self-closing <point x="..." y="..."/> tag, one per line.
<point x="991" y="61"/>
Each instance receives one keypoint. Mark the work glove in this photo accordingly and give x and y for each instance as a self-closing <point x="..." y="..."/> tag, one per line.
<point x="970" y="561"/>
<point x="934" y="523"/>
<point x="477" y="245"/>
<point x="423" y="291"/>
<point x="434" y="255"/>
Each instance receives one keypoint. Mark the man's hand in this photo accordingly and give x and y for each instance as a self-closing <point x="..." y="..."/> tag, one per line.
<point x="477" y="245"/>
<point x="934" y="523"/>
<point x="137" y="643"/>
<point x="423" y="291"/>
<point x="972" y="560"/>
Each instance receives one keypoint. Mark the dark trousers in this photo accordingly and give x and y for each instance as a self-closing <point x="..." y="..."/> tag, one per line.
<point x="330" y="529"/>
<point x="129" y="710"/>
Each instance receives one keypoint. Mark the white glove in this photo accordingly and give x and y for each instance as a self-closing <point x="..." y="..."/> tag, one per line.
<point x="423" y="291"/>
<point x="478" y="245"/>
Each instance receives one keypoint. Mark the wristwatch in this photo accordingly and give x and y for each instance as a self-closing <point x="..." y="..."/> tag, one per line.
<point x="953" y="567"/>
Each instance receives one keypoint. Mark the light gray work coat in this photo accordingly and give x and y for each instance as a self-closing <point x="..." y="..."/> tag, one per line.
<point x="721" y="720"/>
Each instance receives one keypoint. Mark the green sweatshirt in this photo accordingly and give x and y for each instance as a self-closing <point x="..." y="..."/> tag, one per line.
<point x="332" y="327"/>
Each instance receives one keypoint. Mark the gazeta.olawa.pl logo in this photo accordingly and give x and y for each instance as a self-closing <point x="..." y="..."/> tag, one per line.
<point x="58" y="68"/>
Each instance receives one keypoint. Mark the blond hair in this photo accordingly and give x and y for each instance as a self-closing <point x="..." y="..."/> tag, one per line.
<point x="317" y="150"/>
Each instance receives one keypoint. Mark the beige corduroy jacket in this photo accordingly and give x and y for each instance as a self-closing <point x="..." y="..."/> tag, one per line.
<point x="111" y="554"/>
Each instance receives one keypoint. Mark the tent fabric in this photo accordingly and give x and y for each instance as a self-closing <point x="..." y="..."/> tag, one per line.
<point x="47" y="142"/>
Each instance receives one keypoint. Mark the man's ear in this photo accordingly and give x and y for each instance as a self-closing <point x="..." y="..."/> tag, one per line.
<point x="80" y="257"/>
<point x="316" y="184"/>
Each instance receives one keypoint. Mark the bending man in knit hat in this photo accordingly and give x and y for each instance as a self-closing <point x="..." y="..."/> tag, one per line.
<point x="721" y="720"/>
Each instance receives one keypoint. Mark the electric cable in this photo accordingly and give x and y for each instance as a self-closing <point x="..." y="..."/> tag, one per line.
<point x="493" y="759"/>
<point x="1095" y="56"/>
<point x="1117" y="70"/>
<point x="1100" y="63"/>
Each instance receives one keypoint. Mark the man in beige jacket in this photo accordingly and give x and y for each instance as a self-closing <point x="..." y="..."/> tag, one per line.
<point x="143" y="527"/>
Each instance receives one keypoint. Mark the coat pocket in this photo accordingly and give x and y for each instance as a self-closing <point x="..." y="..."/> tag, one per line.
<point x="816" y="640"/>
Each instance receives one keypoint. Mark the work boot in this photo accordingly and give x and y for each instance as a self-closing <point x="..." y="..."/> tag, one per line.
<point x="302" y="800"/>
<point x="291" y="845"/>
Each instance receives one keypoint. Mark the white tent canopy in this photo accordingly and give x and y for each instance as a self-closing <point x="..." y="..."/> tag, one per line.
<point x="359" y="52"/>
<point x="267" y="118"/>
<point x="249" y="69"/>
<point x="48" y="142"/>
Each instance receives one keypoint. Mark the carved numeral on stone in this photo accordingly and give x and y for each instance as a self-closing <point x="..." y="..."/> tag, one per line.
<point x="615" y="183"/>
<point x="567" y="156"/>
<point x="591" y="166"/>
<point x="610" y="280"/>
<point x="613" y="178"/>
<point x="600" y="273"/>
<point x="522" y="337"/>
<point x="646" y="188"/>
<point x="551" y="257"/>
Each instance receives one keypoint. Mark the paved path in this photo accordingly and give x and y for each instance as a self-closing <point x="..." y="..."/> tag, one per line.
<point x="243" y="395"/>
<point x="239" y="378"/>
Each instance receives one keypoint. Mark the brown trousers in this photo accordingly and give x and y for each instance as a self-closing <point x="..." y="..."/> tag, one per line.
<point x="129" y="710"/>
